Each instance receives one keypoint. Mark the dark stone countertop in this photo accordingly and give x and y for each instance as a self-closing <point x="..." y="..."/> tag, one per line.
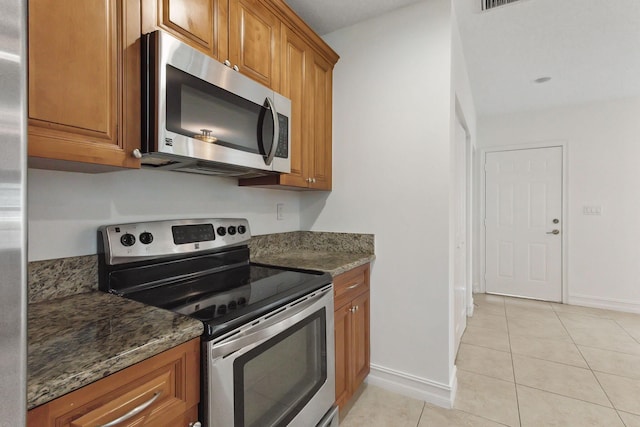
<point x="332" y="262"/>
<point x="79" y="339"/>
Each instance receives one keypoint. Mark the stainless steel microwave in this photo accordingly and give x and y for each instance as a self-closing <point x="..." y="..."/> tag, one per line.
<point x="201" y="116"/>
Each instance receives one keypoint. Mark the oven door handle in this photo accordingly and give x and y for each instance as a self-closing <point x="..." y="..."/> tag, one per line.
<point x="272" y="327"/>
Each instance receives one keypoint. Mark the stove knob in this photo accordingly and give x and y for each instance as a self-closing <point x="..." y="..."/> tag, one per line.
<point x="242" y="301"/>
<point x="146" y="238"/>
<point x="231" y="230"/>
<point x="232" y="305"/>
<point x="222" y="309"/>
<point x="242" y="229"/>
<point x="127" y="239"/>
<point x="221" y="231"/>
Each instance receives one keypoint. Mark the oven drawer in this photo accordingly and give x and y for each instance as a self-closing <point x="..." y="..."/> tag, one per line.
<point x="160" y="391"/>
<point x="349" y="285"/>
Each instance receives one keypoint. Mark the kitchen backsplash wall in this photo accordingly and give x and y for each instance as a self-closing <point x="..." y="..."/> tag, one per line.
<point x="65" y="209"/>
<point x="311" y="241"/>
<point x="56" y="278"/>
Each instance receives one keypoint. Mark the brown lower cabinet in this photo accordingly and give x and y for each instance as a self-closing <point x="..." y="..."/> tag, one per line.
<point x="169" y="380"/>
<point x="351" y="324"/>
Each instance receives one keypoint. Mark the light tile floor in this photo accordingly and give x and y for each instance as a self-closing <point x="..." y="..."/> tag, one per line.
<point x="528" y="363"/>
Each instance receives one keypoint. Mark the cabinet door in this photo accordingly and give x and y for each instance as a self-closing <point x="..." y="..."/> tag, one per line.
<point x="254" y="41"/>
<point x="360" y="339"/>
<point x="84" y="82"/>
<point x="202" y="24"/>
<point x="343" y="327"/>
<point x="320" y="105"/>
<point x="295" y="60"/>
<point x="168" y="382"/>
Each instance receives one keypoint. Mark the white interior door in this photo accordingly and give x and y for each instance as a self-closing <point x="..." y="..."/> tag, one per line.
<point x="523" y="229"/>
<point x="460" y="254"/>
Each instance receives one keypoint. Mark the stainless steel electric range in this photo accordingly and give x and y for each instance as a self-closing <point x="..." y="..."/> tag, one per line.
<point x="268" y="346"/>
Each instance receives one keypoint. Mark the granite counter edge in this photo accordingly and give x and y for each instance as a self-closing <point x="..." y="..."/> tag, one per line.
<point x="356" y="261"/>
<point x="39" y="393"/>
<point x="351" y="265"/>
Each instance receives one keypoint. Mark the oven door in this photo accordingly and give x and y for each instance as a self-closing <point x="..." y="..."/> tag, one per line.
<point x="277" y="371"/>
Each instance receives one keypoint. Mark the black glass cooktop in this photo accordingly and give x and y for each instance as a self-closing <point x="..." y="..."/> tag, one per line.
<point x="223" y="290"/>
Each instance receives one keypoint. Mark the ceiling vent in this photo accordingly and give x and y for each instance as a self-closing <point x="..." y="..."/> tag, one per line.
<point x="490" y="4"/>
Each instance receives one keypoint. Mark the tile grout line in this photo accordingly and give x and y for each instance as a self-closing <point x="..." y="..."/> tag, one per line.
<point x="424" y="404"/>
<point x="513" y="368"/>
<point x="480" y="416"/>
<point x="591" y="369"/>
<point x="625" y="330"/>
<point x="569" y="397"/>
<point x="486" y="376"/>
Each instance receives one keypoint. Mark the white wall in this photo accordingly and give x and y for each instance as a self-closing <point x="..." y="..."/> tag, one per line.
<point x="462" y="109"/>
<point x="391" y="154"/>
<point x="65" y="209"/>
<point x="603" y="170"/>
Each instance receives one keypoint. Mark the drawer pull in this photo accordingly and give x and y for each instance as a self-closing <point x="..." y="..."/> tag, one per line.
<point x="353" y="286"/>
<point x="135" y="411"/>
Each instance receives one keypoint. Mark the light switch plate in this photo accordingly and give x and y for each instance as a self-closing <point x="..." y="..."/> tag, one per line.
<point x="592" y="210"/>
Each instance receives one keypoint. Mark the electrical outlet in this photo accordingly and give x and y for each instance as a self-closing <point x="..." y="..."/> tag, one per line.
<point x="280" y="211"/>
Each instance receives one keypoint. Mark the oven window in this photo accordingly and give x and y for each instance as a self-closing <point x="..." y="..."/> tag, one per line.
<point x="203" y="111"/>
<point x="275" y="380"/>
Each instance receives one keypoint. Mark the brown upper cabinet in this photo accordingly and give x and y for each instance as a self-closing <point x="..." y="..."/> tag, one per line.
<point x="268" y="42"/>
<point x="306" y="78"/>
<point x="243" y="34"/>
<point x="84" y="84"/>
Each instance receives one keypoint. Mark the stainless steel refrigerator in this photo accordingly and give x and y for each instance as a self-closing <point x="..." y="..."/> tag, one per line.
<point x="13" y="221"/>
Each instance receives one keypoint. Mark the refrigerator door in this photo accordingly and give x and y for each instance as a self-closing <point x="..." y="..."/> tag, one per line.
<point x="13" y="146"/>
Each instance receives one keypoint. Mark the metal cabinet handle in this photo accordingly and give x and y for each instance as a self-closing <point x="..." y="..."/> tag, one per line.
<point x="227" y="63"/>
<point x="196" y="424"/>
<point x="553" y="232"/>
<point x="353" y="286"/>
<point x="308" y="180"/>
<point x="313" y="180"/>
<point x="136" y="153"/>
<point x="135" y="411"/>
<point x="236" y="68"/>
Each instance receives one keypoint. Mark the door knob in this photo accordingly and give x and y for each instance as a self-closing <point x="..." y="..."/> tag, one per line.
<point x="554" y="232"/>
<point x="556" y="220"/>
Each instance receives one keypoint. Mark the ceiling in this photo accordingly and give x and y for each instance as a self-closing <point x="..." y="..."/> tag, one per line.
<point x="326" y="16"/>
<point x="589" y="48"/>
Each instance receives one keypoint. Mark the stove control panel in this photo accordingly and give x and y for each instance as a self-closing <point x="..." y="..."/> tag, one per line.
<point x="123" y="243"/>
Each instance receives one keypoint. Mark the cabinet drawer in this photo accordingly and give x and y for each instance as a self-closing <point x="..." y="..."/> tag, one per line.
<point x="349" y="285"/>
<point x="164" y="388"/>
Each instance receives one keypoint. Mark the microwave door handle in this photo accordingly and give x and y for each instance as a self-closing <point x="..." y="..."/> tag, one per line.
<point x="276" y="131"/>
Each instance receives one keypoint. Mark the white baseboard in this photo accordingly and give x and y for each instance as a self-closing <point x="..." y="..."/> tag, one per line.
<point x="412" y="386"/>
<point x="606" y="303"/>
